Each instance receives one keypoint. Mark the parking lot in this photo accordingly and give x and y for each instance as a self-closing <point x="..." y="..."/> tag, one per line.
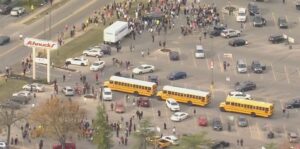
<point x="277" y="84"/>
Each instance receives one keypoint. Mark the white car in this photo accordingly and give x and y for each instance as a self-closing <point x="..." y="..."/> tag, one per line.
<point x="94" y="51"/>
<point x="179" y="116"/>
<point x="228" y="33"/>
<point x="172" y="139"/>
<point x="143" y="69"/>
<point x="106" y="94"/>
<point x="172" y="104"/>
<point x="34" y="87"/>
<point x="22" y="93"/>
<point x="17" y="11"/>
<point x="239" y="95"/>
<point x="97" y="65"/>
<point x="68" y="91"/>
<point x="241" y="16"/>
<point x="78" y="61"/>
<point x="3" y="145"/>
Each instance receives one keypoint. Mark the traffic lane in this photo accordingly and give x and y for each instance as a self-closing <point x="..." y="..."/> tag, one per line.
<point x="57" y="27"/>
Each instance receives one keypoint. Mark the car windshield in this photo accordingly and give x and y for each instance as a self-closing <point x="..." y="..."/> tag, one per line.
<point x="96" y="64"/>
<point x="174" y="103"/>
<point x="242" y="14"/>
<point x="69" y="90"/>
<point x="141" y="67"/>
<point x="242" y="65"/>
<point x="107" y="93"/>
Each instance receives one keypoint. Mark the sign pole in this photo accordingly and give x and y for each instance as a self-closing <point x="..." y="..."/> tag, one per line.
<point x="33" y="63"/>
<point x="48" y="65"/>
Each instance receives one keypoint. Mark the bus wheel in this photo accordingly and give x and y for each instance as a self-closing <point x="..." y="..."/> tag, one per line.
<point x="253" y="114"/>
<point x="136" y="93"/>
<point x="190" y="103"/>
<point x="222" y="109"/>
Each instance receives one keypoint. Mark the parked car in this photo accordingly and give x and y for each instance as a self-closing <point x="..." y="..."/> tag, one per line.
<point x="119" y="107"/>
<point x="228" y="33"/>
<point x="245" y="86"/>
<point x="277" y="38"/>
<point x="294" y="103"/>
<point x="68" y="91"/>
<point x="68" y="146"/>
<point x="97" y="65"/>
<point x="34" y="87"/>
<point x="199" y="52"/>
<point x="297" y="5"/>
<point x="143" y="102"/>
<point x="241" y="15"/>
<point x="96" y="52"/>
<point x="81" y="61"/>
<point x="171" y="138"/>
<point x="174" y="55"/>
<point x="145" y="68"/>
<point x="3" y="145"/>
<point x="242" y="121"/>
<point x="5" y="9"/>
<point x="293" y="137"/>
<point x="10" y="105"/>
<point x="4" y="40"/>
<point x="22" y="93"/>
<point x="282" y="22"/>
<point x="241" y="66"/>
<point x="253" y="9"/>
<point x="106" y="49"/>
<point x="202" y="121"/>
<point x="6" y="2"/>
<point x="20" y="99"/>
<point x="220" y="145"/>
<point x="259" y="21"/>
<point x="106" y="94"/>
<point x="172" y="104"/>
<point x="238" y="42"/>
<point x="257" y="67"/>
<point x="177" y="75"/>
<point x="17" y="11"/>
<point x="179" y="116"/>
<point x="217" y="30"/>
<point x="153" y="78"/>
<point x="217" y="124"/>
<point x="239" y="95"/>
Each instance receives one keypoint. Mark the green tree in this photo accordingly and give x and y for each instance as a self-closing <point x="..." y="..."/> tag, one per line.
<point x="143" y="133"/>
<point x="103" y="134"/>
<point x="194" y="141"/>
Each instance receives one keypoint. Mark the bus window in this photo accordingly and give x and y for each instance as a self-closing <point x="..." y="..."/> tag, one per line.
<point x="227" y="103"/>
<point x="111" y="82"/>
<point x="164" y="92"/>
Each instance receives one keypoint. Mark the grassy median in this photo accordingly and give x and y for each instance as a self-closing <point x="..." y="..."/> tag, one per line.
<point x="9" y="87"/>
<point x="75" y="47"/>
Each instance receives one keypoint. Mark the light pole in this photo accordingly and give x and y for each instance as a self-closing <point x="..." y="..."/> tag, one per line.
<point x="212" y="65"/>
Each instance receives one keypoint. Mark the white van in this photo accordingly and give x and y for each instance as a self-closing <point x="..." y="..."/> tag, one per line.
<point x="241" y="66"/>
<point x="116" y="32"/>
<point x="199" y="52"/>
<point x="106" y="94"/>
<point x="241" y="16"/>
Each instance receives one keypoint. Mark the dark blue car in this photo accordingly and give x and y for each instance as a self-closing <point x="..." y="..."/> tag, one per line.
<point x="177" y="75"/>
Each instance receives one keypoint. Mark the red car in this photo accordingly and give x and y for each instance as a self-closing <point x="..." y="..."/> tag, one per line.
<point x="119" y="107"/>
<point x="143" y="102"/>
<point x="202" y="121"/>
<point x="68" y="146"/>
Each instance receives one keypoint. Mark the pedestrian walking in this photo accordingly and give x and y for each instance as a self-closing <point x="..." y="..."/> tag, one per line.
<point x="152" y="38"/>
<point x="224" y="65"/>
<point x="96" y="77"/>
<point x="122" y="140"/>
<point x="142" y="53"/>
<point x="204" y="34"/>
<point x="64" y="77"/>
<point x="242" y="142"/>
<point x="238" y="142"/>
<point x="174" y="130"/>
<point x="126" y="141"/>
<point x="200" y="38"/>
<point x="134" y="127"/>
<point x="41" y="144"/>
<point x="112" y="106"/>
<point x="158" y="113"/>
<point x="165" y="126"/>
<point x="194" y="111"/>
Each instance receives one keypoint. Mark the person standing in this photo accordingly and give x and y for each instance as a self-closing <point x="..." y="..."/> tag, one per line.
<point x="238" y="142"/>
<point x="64" y="77"/>
<point x="158" y="113"/>
<point x="174" y="130"/>
<point x="41" y="144"/>
<point x="224" y="65"/>
<point x="112" y="106"/>
<point x="165" y="126"/>
<point x="242" y="142"/>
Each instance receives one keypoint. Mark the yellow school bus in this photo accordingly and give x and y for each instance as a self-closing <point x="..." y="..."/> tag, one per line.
<point x="130" y="85"/>
<point x="251" y="107"/>
<point x="184" y="95"/>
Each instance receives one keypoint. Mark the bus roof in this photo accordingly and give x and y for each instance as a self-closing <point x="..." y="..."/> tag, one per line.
<point x="249" y="102"/>
<point x="185" y="91"/>
<point x="132" y="81"/>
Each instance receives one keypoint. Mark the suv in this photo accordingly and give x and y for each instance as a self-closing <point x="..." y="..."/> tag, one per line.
<point x="228" y="33"/>
<point x="5" y="9"/>
<point x="295" y="103"/>
<point x="241" y="66"/>
<point x="174" y="55"/>
<point x="253" y="9"/>
<point x="259" y="21"/>
<point x="257" y="67"/>
<point x="199" y="52"/>
<point x="276" y="38"/>
<point x="217" y="30"/>
<point x="217" y="124"/>
<point x="241" y="16"/>
<point x="282" y="23"/>
<point x="245" y="86"/>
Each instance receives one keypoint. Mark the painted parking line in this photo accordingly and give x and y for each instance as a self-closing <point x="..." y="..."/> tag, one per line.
<point x="286" y="74"/>
<point x="220" y="63"/>
<point x="273" y="72"/>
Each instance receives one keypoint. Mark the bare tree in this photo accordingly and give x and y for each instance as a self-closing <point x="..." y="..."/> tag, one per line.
<point x="59" y="118"/>
<point x="9" y="117"/>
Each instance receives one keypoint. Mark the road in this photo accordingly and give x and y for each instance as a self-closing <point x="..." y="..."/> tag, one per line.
<point x="74" y="12"/>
